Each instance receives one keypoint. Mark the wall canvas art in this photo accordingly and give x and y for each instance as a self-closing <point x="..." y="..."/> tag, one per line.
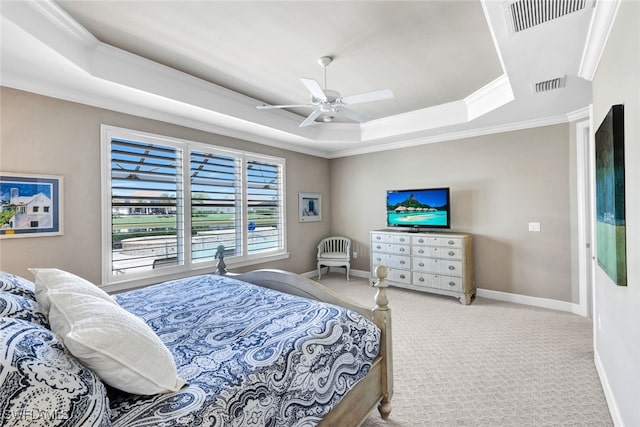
<point x="610" y="198"/>
<point x="30" y="205"/>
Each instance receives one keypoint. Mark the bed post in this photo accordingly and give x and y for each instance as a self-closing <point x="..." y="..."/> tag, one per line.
<point x="382" y="317"/>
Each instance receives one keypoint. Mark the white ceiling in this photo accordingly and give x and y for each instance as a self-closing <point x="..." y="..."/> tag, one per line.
<point x="456" y="67"/>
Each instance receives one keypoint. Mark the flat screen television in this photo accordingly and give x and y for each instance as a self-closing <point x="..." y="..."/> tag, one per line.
<point x="419" y="208"/>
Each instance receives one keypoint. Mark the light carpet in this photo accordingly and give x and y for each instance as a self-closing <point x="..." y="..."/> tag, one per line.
<point x="491" y="363"/>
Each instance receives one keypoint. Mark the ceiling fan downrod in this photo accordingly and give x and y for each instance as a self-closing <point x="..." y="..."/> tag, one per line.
<point x="324" y="62"/>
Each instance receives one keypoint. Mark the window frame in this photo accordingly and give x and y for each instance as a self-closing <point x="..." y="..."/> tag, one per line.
<point x="109" y="132"/>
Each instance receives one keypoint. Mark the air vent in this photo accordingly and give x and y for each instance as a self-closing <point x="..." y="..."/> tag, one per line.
<point x="548" y="85"/>
<point x="529" y="13"/>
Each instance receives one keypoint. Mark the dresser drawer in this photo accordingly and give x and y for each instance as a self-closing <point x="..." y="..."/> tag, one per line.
<point x="421" y="240"/>
<point x="445" y="253"/>
<point x="380" y="238"/>
<point x="380" y="247"/>
<point x="399" y="239"/>
<point x="425" y="265"/>
<point x="450" y="242"/>
<point x="436" y="252"/>
<point x="378" y="258"/>
<point x="421" y="250"/>
<point x="401" y="276"/>
<point x="451" y="283"/>
<point x="452" y="268"/>
<point x="437" y="281"/>
<point x="425" y="279"/>
<point x="400" y="262"/>
<point x="400" y="249"/>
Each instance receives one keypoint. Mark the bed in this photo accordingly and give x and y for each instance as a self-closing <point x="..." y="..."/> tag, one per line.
<point x="266" y="347"/>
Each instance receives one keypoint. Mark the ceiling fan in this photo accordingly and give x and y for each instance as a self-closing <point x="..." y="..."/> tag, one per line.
<point x="330" y="101"/>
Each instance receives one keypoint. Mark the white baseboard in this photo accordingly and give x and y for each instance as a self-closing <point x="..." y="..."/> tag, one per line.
<point x="533" y="301"/>
<point x="487" y="293"/>
<point x="606" y="388"/>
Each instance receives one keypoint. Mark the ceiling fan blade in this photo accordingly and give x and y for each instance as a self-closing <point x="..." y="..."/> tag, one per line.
<point x="350" y="114"/>
<point x="367" y="97"/>
<point x="314" y="88"/>
<point x="268" y="107"/>
<point x="311" y="118"/>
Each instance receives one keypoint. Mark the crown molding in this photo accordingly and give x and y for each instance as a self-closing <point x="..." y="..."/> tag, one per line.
<point x="470" y="133"/>
<point x="602" y="20"/>
<point x="62" y="20"/>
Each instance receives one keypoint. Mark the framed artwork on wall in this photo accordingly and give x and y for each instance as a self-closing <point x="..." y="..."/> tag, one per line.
<point x="309" y="207"/>
<point x="610" y="197"/>
<point x="31" y="205"/>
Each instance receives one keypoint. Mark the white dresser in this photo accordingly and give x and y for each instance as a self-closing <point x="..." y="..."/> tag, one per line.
<point x="438" y="262"/>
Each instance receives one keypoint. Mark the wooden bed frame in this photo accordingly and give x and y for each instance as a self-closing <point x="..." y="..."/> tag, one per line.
<point x="376" y="389"/>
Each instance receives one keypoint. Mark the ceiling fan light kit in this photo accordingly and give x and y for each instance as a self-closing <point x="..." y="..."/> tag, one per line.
<point x="330" y="102"/>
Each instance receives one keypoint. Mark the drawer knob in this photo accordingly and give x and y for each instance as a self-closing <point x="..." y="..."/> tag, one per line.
<point x="401" y="249"/>
<point x="378" y="247"/>
<point x="402" y="262"/>
<point x="420" y="240"/>
<point x="421" y="264"/>
<point x="379" y="259"/>
<point x="421" y="279"/>
<point x="420" y="251"/>
<point x="451" y="242"/>
<point x="451" y="267"/>
<point x="402" y="239"/>
<point x="402" y="276"/>
<point x="378" y="237"/>
<point x="451" y="253"/>
<point x="452" y="283"/>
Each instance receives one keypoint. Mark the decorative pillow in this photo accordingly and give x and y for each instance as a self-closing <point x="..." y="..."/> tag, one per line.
<point x="42" y="384"/>
<point x="117" y="345"/>
<point x="19" y="307"/>
<point x="52" y="280"/>
<point x="17" y="285"/>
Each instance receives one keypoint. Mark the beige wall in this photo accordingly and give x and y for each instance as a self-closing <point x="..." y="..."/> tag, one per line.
<point x="499" y="183"/>
<point x="49" y="136"/>
<point x="617" y="308"/>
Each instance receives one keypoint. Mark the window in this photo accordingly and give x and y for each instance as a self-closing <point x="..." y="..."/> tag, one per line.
<point x="170" y="203"/>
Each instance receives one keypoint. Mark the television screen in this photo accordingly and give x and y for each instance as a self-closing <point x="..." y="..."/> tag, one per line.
<point x="419" y="208"/>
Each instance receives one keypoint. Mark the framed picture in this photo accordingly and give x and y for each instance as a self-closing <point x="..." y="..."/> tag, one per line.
<point x="309" y="207"/>
<point x="610" y="197"/>
<point x="31" y="205"/>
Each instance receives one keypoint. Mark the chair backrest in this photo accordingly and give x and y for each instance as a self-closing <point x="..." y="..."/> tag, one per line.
<point x="335" y="244"/>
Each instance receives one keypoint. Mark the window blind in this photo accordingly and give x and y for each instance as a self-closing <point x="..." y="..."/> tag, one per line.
<point x="146" y="204"/>
<point x="264" y="206"/>
<point x="215" y="205"/>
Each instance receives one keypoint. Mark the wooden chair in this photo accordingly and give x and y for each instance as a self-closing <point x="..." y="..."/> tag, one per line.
<point x="334" y="252"/>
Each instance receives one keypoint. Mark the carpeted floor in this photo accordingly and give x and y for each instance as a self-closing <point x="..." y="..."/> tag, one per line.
<point x="491" y="363"/>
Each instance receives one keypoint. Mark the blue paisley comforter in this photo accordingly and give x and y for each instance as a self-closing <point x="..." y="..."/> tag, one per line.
<point x="251" y="356"/>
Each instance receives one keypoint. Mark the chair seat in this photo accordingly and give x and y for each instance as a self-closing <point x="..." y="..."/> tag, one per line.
<point x="334" y="255"/>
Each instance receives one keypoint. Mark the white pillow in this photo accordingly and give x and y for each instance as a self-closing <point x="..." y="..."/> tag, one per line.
<point x="53" y="279"/>
<point x="117" y="345"/>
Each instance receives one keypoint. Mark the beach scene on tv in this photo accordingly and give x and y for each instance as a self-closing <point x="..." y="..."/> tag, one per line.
<point x="418" y="208"/>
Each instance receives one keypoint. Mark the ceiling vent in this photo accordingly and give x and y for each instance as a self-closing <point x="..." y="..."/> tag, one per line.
<point x="529" y="13"/>
<point x="548" y="85"/>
